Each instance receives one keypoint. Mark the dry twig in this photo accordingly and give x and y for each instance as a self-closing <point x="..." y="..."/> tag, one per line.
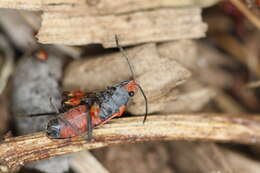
<point x="250" y="15"/>
<point x="17" y="151"/>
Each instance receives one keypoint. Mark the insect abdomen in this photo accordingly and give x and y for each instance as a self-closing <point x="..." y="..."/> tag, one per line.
<point x="77" y="118"/>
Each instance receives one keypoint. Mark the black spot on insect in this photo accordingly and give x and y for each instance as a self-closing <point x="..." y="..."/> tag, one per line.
<point x="131" y="93"/>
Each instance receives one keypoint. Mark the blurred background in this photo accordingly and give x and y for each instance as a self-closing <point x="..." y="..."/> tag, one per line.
<point x="190" y="57"/>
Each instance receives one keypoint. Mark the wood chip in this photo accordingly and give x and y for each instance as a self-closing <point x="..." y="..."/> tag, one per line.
<point x="100" y="7"/>
<point x="174" y="103"/>
<point x="157" y="75"/>
<point x="191" y="96"/>
<point x="22" y="4"/>
<point x="134" y="28"/>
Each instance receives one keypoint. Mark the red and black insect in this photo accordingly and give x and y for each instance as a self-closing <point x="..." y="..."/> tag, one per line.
<point x="81" y="112"/>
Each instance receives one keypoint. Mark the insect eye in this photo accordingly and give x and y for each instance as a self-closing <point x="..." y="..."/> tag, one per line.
<point x="131" y="93"/>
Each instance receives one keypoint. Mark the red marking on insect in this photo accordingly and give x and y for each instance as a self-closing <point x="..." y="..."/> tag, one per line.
<point x="73" y="102"/>
<point x="84" y="111"/>
<point x="72" y="99"/>
<point x="76" y="117"/>
<point x="42" y="55"/>
<point x="76" y="93"/>
<point x="131" y="86"/>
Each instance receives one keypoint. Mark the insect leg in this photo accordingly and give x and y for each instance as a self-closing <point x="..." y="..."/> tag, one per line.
<point x="93" y="112"/>
<point x="89" y="125"/>
<point x="118" y="114"/>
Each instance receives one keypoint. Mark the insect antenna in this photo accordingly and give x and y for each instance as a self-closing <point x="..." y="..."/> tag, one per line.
<point x="146" y="103"/>
<point x="125" y="56"/>
<point x="131" y="69"/>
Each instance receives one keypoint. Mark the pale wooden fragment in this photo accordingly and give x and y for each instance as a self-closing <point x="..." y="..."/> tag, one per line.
<point x="99" y="7"/>
<point x="134" y="28"/>
<point x="175" y="103"/>
<point x="22" y="4"/>
<point x="191" y="96"/>
<point x="157" y="75"/>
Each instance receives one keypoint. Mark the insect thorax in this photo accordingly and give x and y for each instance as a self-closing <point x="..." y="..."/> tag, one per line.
<point x="111" y="100"/>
